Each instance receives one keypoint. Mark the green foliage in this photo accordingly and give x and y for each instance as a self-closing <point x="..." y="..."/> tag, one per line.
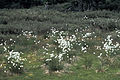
<point x="4" y="3"/>
<point x="54" y="64"/>
<point x="76" y="5"/>
<point x="83" y="5"/>
<point x="88" y="61"/>
<point x="1" y="50"/>
<point x="26" y="3"/>
<point x="106" y="24"/>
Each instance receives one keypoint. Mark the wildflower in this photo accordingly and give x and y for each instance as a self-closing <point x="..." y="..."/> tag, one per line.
<point x="100" y="55"/>
<point x="14" y="61"/>
<point x="5" y="49"/>
<point x="87" y="35"/>
<point x="85" y="17"/>
<point x="108" y="45"/>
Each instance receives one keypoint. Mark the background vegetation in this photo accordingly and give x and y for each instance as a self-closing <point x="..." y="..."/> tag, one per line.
<point x="75" y="5"/>
<point x="28" y="31"/>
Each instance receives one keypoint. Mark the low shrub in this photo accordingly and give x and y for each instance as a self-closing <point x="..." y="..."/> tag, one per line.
<point x="54" y="64"/>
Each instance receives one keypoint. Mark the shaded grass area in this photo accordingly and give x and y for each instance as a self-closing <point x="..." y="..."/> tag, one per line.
<point x="39" y="20"/>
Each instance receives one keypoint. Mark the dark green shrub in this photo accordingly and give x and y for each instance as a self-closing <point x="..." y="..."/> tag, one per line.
<point x="54" y="64"/>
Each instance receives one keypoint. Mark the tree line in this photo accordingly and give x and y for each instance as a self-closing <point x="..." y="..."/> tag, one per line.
<point x="81" y="5"/>
<point x="84" y="5"/>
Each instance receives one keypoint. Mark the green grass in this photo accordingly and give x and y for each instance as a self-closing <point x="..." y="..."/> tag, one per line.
<point x="78" y="73"/>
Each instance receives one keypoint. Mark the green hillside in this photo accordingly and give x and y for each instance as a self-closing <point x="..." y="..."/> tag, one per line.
<point x="40" y="44"/>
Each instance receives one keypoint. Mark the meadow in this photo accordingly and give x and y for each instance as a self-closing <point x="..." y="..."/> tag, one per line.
<point x="39" y="44"/>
